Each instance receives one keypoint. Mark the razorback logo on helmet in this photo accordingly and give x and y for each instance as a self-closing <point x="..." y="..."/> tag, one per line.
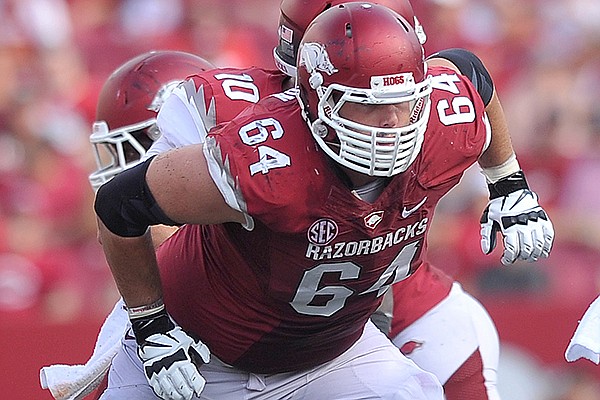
<point x="314" y="57"/>
<point x="397" y="83"/>
<point x="322" y="231"/>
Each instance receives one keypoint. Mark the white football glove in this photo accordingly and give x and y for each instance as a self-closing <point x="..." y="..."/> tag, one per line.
<point x="527" y="230"/>
<point x="171" y="358"/>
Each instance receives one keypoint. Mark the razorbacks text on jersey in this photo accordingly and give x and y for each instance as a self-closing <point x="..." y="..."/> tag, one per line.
<point x="297" y="283"/>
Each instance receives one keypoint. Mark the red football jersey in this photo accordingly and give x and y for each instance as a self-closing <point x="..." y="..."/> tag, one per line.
<point x="294" y="287"/>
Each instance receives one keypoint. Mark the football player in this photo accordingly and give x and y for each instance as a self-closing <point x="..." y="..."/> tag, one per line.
<point x="290" y="30"/>
<point x="124" y="129"/>
<point x="429" y="303"/>
<point x="126" y="109"/>
<point x="373" y="130"/>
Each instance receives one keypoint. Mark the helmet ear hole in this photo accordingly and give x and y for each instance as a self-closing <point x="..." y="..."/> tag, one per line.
<point x="315" y="80"/>
<point x="320" y="129"/>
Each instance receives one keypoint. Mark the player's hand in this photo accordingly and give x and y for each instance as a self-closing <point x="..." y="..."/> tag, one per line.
<point x="527" y="231"/>
<point x="171" y="357"/>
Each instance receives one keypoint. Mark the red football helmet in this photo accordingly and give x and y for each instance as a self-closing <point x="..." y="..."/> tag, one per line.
<point x="126" y="111"/>
<point x="296" y="15"/>
<point x="367" y="54"/>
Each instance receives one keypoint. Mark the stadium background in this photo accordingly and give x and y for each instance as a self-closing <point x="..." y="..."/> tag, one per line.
<point x="55" y="288"/>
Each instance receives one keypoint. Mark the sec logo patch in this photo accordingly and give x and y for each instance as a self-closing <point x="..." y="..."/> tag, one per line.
<point x="322" y="231"/>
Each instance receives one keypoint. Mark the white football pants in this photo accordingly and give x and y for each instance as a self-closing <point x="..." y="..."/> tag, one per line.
<point x="372" y="368"/>
<point x="448" y="334"/>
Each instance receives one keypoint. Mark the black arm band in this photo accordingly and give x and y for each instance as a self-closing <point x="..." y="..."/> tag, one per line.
<point x="470" y="66"/>
<point x="126" y="205"/>
<point x="508" y="185"/>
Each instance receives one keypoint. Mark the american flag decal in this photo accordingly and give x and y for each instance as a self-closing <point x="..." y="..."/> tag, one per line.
<point x="286" y="33"/>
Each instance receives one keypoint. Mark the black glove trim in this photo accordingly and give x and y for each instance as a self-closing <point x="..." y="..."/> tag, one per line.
<point x="508" y="185"/>
<point x="523" y="219"/>
<point x="146" y="326"/>
<point x="165" y="363"/>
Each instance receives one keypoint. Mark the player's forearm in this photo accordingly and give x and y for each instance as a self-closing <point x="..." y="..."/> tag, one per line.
<point x="133" y="265"/>
<point x="500" y="148"/>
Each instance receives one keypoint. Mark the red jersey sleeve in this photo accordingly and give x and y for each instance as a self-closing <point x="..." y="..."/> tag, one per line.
<point x="457" y="131"/>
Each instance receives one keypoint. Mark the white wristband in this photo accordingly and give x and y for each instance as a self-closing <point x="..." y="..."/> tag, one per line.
<point x="507" y="168"/>
<point x="148" y="309"/>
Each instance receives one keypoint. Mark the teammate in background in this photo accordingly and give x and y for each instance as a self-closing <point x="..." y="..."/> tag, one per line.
<point x="125" y="128"/>
<point x="128" y="102"/>
<point x="273" y="162"/>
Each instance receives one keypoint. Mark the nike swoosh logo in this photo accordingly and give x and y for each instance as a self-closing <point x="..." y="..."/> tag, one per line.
<point x="406" y="213"/>
<point x="154" y="344"/>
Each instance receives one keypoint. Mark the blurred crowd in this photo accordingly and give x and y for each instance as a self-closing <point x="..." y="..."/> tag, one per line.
<point x="544" y="56"/>
<point x="54" y="57"/>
